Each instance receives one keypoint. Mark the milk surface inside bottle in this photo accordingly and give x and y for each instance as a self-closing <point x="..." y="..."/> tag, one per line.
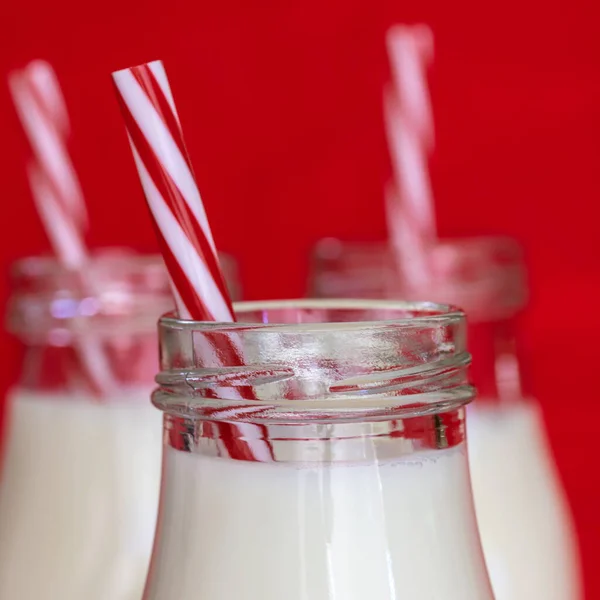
<point x="328" y="461"/>
<point x="524" y="519"/>
<point x="80" y="465"/>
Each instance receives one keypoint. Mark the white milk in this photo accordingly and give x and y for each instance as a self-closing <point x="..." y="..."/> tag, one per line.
<point x="78" y="497"/>
<point x="523" y="516"/>
<point x="234" y="530"/>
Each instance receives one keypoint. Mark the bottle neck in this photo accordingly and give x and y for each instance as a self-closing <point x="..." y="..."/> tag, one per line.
<point x="302" y="524"/>
<point x="304" y="443"/>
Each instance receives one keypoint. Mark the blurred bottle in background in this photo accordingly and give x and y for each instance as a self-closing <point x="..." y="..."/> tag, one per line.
<point x="81" y="465"/>
<point x="524" y="519"/>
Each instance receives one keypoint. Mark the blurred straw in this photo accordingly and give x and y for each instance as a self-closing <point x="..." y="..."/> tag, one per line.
<point x="40" y="105"/>
<point x="409" y="128"/>
<point x="56" y="191"/>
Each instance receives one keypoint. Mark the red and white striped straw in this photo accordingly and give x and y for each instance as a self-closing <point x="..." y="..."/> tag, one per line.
<point x="167" y="177"/>
<point x="410" y="132"/>
<point x="182" y="227"/>
<point x="56" y="190"/>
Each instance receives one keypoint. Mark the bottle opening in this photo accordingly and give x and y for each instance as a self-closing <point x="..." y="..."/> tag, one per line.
<point x="118" y="291"/>
<point x="318" y="360"/>
<point x="485" y="276"/>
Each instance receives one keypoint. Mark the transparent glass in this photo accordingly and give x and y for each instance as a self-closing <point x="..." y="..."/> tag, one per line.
<point x="81" y="462"/>
<point x="524" y="518"/>
<point x="316" y="450"/>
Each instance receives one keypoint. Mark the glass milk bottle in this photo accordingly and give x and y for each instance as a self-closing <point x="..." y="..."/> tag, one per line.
<point x="81" y="456"/>
<point x="81" y="465"/>
<point x="524" y="519"/>
<point x="316" y="450"/>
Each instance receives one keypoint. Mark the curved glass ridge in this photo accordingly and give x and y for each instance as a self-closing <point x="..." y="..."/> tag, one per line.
<point x="358" y="359"/>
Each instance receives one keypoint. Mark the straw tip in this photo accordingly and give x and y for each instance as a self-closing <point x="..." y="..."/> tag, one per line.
<point x="421" y="34"/>
<point x="39" y="63"/>
<point x="397" y="32"/>
<point x="397" y="28"/>
<point x="419" y="31"/>
<point x="151" y="64"/>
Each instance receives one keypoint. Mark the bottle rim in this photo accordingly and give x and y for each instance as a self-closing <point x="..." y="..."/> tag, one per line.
<point x="484" y="275"/>
<point x="116" y="292"/>
<point x="373" y="359"/>
<point x="414" y="314"/>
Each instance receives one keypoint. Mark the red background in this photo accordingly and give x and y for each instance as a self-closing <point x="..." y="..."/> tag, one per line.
<point x="281" y="105"/>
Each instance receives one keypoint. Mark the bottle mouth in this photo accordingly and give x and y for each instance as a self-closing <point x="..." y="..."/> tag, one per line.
<point x="316" y="360"/>
<point x="325" y="314"/>
<point x="116" y="292"/>
<point x="46" y="272"/>
<point x="485" y="276"/>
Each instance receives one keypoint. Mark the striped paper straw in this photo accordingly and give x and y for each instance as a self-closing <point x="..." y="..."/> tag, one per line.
<point x="56" y="191"/>
<point x="183" y="231"/>
<point x="169" y="184"/>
